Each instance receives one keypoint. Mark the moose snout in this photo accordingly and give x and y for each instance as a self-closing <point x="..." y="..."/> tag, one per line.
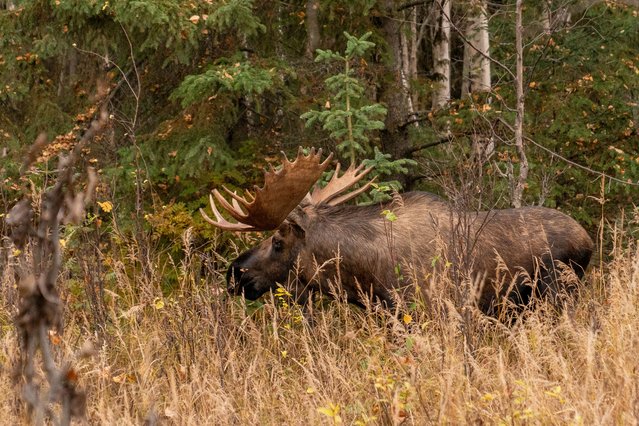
<point x="233" y="278"/>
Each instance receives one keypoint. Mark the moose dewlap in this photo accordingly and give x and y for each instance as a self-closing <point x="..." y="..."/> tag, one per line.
<point x="319" y="242"/>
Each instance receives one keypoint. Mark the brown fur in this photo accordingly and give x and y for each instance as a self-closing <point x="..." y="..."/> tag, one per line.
<point x="361" y="249"/>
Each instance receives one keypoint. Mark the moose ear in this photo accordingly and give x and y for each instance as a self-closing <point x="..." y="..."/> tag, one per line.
<point x="297" y="230"/>
<point x="297" y="222"/>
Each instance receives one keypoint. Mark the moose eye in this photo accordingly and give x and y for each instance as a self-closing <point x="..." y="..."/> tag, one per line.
<point x="277" y="245"/>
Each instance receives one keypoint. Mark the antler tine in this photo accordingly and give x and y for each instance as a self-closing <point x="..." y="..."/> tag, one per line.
<point x="221" y="222"/>
<point x="238" y="215"/>
<point x="350" y="195"/>
<point x="330" y="194"/>
<point x="326" y="162"/>
<point x="338" y="166"/>
<point x="312" y="155"/>
<point x="236" y="198"/>
<point x="236" y="205"/>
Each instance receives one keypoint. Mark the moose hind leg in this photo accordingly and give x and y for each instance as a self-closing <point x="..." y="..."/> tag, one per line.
<point x="557" y="281"/>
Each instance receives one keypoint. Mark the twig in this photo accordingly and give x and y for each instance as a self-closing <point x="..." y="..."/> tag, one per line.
<point x="561" y="157"/>
<point x="410" y="5"/>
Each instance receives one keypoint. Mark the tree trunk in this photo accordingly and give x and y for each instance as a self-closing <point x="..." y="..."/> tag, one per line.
<point x="520" y="184"/>
<point x="392" y="93"/>
<point x="476" y="51"/>
<point x="441" y="53"/>
<point x="7" y="5"/>
<point x="403" y="37"/>
<point x="313" y="36"/>
<point x="546" y="19"/>
<point x="412" y="75"/>
<point x="482" y="59"/>
<point x="405" y="41"/>
<point x="465" y="87"/>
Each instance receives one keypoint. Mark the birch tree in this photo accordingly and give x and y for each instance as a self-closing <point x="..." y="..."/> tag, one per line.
<point x="441" y="53"/>
<point x="476" y="67"/>
<point x="408" y="42"/>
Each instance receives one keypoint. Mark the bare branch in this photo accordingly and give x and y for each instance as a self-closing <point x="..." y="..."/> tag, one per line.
<point x="410" y="4"/>
<point x="40" y="307"/>
<point x="562" y="158"/>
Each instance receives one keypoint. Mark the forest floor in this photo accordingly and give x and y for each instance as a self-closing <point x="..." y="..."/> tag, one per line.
<point x="200" y="357"/>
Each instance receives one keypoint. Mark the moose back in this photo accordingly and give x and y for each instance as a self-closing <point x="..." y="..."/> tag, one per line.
<point x="320" y="243"/>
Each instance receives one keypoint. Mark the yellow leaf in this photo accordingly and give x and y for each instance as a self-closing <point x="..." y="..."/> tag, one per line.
<point x="158" y="303"/>
<point x="326" y="411"/>
<point x="282" y="292"/>
<point x="106" y="206"/>
<point x="124" y="378"/>
<point x="488" y="397"/>
<point x="408" y="319"/>
<point x="331" y="411"/>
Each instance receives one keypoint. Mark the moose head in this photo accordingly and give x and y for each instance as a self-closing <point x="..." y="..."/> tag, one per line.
<point x="282" y="205"/>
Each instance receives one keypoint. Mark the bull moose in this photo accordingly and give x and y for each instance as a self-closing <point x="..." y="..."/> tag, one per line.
<point x="320" y="241"/>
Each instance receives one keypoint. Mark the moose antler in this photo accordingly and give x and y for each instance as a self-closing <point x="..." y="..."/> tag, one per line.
<point x="338" y="184"/>
<point x="283" y="190"/>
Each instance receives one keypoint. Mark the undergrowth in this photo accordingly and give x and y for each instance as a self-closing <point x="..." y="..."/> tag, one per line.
<point x="195" y="355"/>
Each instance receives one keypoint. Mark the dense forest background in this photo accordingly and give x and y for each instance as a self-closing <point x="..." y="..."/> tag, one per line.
<point x="490" y="104"/>
<point x="204" y="93"/>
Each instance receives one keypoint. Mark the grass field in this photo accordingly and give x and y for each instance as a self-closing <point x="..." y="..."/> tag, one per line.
<point x="200" y="357"/>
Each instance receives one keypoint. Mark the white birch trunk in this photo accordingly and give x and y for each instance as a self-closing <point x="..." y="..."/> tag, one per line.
<point x="477" y="51"/>
<point x="482" y="61"/>
<point x="441" y="53"/>
<point x="412" y="72"/>
<point x="405" y="71"/>
<point x="413" y="44"/>
<point x="404" y="39"/>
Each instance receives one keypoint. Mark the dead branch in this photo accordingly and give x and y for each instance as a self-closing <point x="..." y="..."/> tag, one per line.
<point x="40" y="308"/>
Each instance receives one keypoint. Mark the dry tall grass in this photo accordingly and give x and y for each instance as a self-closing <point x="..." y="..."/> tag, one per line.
<point x="199" y="357"/>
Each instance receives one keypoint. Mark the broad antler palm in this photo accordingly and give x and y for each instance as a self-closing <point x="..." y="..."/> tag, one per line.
<point x="284" y="190"/>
